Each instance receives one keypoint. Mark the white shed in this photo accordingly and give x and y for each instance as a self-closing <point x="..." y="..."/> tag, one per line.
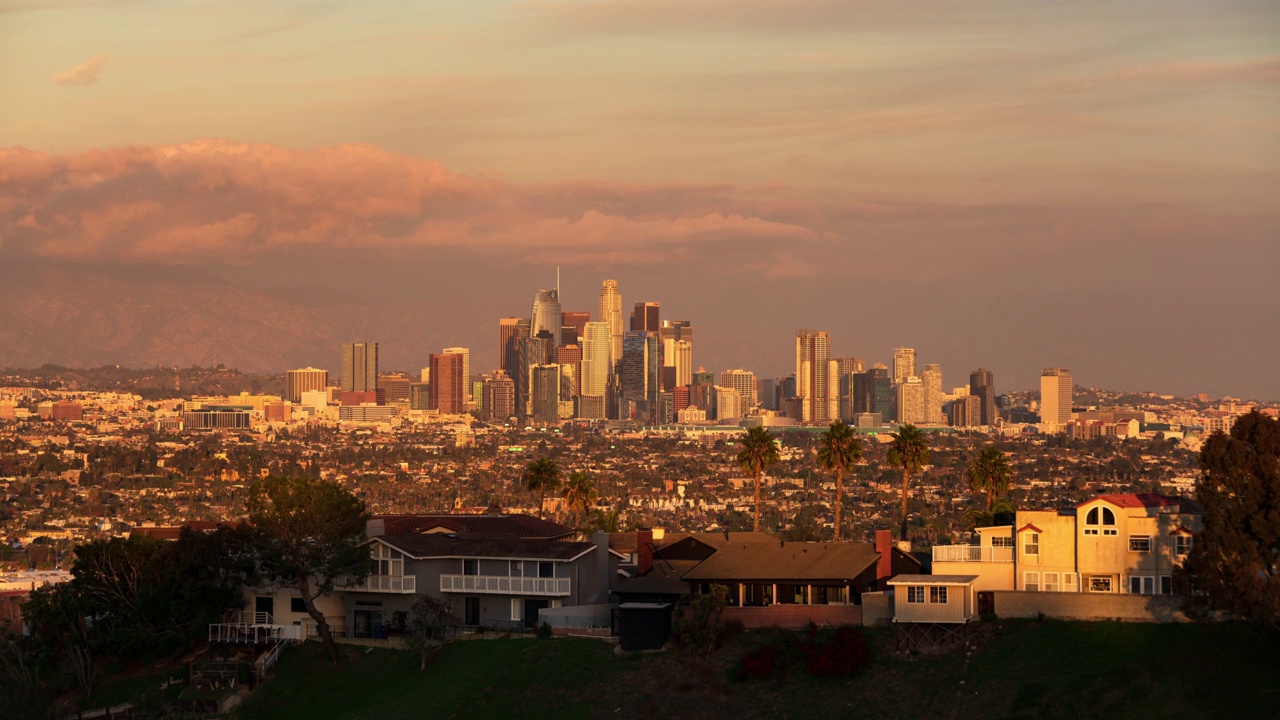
<point x="934" y="598"/>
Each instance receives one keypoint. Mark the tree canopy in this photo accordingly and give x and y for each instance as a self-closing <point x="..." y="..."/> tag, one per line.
<point x="1234" y="563"/>
<point x="542" y="476"/>
<point x="909" y="451"/>
<point x="310" y="536"/>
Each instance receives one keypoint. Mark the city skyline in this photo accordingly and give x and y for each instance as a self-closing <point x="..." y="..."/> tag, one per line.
<point x="1000" y="185"/>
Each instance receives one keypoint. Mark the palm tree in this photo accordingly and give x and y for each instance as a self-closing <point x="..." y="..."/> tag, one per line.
<point x="838" y="449"/>
<point x="909" y="450"/>
<point x="542" y="476"/>
<point x="580" y="495"/>
<point x="989" y="473"/>
<point x="758" y="452"/>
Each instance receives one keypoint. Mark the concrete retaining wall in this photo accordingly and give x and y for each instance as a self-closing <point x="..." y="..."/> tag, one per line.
<point x="1090" y="606"/>
<point x="794" y="616"/>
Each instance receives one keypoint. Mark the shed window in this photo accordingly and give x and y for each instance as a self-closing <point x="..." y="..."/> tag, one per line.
<point x="1140" y="543"/>
<point x="915" y="594"/>
<point x="938" y="595"/>
<point x="1002" y="542"/>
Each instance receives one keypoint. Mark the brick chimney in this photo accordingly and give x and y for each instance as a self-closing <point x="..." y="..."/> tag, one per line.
<point x="644" y="550"/>
<point x="884" y="567"/>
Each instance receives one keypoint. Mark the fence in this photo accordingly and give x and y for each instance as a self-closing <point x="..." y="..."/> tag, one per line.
<point x="1090" y="606"/>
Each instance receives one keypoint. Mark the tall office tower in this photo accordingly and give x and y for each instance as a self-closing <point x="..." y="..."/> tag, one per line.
<point x="360" y="367"/>
<point x="982" y="384"/>
<point x="702" y="390"/>
<point x="420" y="396"/>
<point x="965" y="411"/>
<point x="833" y="390"/>
<point x="447" y="382"/>
<point x="425" y="375"/>
<point x="813" y="359"/>
<point x="546" y="316"/>
<point x="768" y="394"/>
<point x="744" y="381"/>
<point x="499" y="397"/>
<point x="850" y="365"/>
<point x="466" y="370"/>
<point x="576" y="319"/>
<point x="904" y="363"/>
<point x="596" y="365"/>
<point x="645" y="317"/>
<point x="546" y="393"/>
<point x="931" y="376"/>
<point x="845" y="369"/>
<point x="570" y="356"/>
<point x="394" y="387"/>
<point x="1055" y="396"/>
<point x="635" y="363"/>
<point x="532" y="351"/>
<point x="508" y="331"/>
<point x="683" y="362"/>
<point x="911" y="401"/>
<point x="297" y="382"/>
<point x="611" y="313"/>
<point x="666" y="410"/>
<point x="872" y="392"/>
<point x="728" y="403"/>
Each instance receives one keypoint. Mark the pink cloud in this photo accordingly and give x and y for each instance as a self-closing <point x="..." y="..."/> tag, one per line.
<point x="85" y="73"/>
<point x="216" y="199"/>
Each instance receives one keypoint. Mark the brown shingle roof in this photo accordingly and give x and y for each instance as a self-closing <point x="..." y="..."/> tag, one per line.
<point x="525" y="526"/>
<point x="786" y="561"/>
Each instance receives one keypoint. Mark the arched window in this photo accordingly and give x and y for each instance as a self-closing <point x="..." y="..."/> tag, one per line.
<point x="1108" y="517"/>
<point x="1092" y="519"/>
<point x="1100" y="516"/>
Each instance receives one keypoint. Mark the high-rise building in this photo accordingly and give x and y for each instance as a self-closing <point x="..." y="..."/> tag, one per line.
<point x="813" y="360"/>
<point x="611" y="314"/>
<point x="728" y="403"/>
<point x="910" y="403"/>
<point x="297" y="382"/>
<point x="570" y="358"/>
<point x="682" y="361"/>
<point x="640" y="368"/>
<point x="965" y="411"/>
<point x="420" y="396"/>
<point x="546" y="393"/>
<point x="982" y="385"/>
<point x="466" y="370"/>
<point x="744" y="381"/>
<point x="645" y="317"/>
<point x="846" y="367"/>
<point x="360" y="367"/>
<point x="546" y="316"/>
<point x="596" y="365"/>
<point x="577" y="320"/>
<point x="676" y="330"/>
<point x="931" y="377"/>
<point x="872" y="392"/>
<point x="394" y="387"/>
<point x="904" y="363"/>
<point x="447" y="383"/>
<point x="499" y="397"/>
<point x="509" y="331"/>
<point x="769" y="390"/>
<point x="533" y="351"/>
<point x="1055" y="396"/>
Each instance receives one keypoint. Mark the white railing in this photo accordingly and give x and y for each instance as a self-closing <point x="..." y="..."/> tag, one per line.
<point x="502" y="585"/>
<point x="387" y="584"/>
<point x="243" y="634"/>
<point x="972" y="553"/>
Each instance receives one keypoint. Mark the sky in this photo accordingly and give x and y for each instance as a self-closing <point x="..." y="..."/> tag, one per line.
<point x="1013" y="184"/>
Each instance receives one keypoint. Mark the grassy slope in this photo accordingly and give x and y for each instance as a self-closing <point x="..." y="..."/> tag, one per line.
<point x="1025" y="669"/>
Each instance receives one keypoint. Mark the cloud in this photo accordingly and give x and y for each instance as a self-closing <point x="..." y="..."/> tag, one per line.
<point x="85" y="73"/>
<point x="226" y="201"/>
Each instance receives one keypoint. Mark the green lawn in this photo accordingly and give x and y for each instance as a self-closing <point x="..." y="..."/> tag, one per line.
<point x="1019" y="669"/>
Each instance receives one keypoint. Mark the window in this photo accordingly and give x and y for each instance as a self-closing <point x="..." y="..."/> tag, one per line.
<point x="1031" y="582"/>
<point x="296" y="605"/>
<point x="1068" y="582"/>
<point x="1166" y="585"/>
<point x="1142" y="585"/>
<point x="470" y="567"/>
<point x="1002" y="542"/>
<point x="1140" y="543"/>
<point x="1100" y="516"/>
<point x="546" y="569"/>
<point x="1031" y="544"/>
<point x="517" y="609"/>
<point x="517" y="569"/>
<point x="386" y="561"/>
<point x="1100" y="583"/>
<point x="915" y="594"/>
<point x="938" y="595"/>
<point x="1181" y="544"/>
<point x="1051" y="582"/>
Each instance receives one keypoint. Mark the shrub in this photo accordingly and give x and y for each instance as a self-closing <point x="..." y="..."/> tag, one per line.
<point x="759" y="663"/>
<point x="823" y="653"/>
<point x="544" y="631"/>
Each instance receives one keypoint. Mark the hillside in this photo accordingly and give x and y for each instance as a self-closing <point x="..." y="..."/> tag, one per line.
<point x="1023" y="669"/>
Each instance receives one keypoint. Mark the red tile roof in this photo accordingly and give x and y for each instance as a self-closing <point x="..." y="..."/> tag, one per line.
<point x="1134" y="500"/>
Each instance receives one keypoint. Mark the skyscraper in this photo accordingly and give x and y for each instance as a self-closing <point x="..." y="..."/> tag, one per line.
<point x="533" y="351"/>
<point x="911" y="401"/>
<point x="1055" y="396"/>
<point x="297" y="382"/>
<point x="640" y="366"/>
<point x="499" y="397"/>
<point x="982" y="385"/>
<point x="569" y="358"/>
<point x="596" y="366"/>
<point x="611" y="313"/>
<point x="509" y="330"/>
<point x="744" y="381"/>
<point x="546" y="393"/>
<point x="931" y="377"/>
<point x="645" y="317"/>
<point x="904" y="363"/>
<point x="813" y="360"/>
<point x="546" y="316"/>
<point x="360" y="367"/>
<point x="577" y="320"/>
<point x="682" y="361"/>
<point x="446" y="383"/>
<point x="466" y="370"/>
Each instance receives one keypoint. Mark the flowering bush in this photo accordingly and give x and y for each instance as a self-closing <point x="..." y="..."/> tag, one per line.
<point x="759" y="663"/>
<point x="825" y="653"/>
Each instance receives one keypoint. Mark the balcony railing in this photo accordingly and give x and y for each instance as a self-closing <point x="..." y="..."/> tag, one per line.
<point x="407" y="584"/>
<point x="972" y="553"/>
<point x="502" y="585"/>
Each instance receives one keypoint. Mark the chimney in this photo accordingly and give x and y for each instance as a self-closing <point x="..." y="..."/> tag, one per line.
<point x="644" y="550"/>
<point x="884" y="566"/>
